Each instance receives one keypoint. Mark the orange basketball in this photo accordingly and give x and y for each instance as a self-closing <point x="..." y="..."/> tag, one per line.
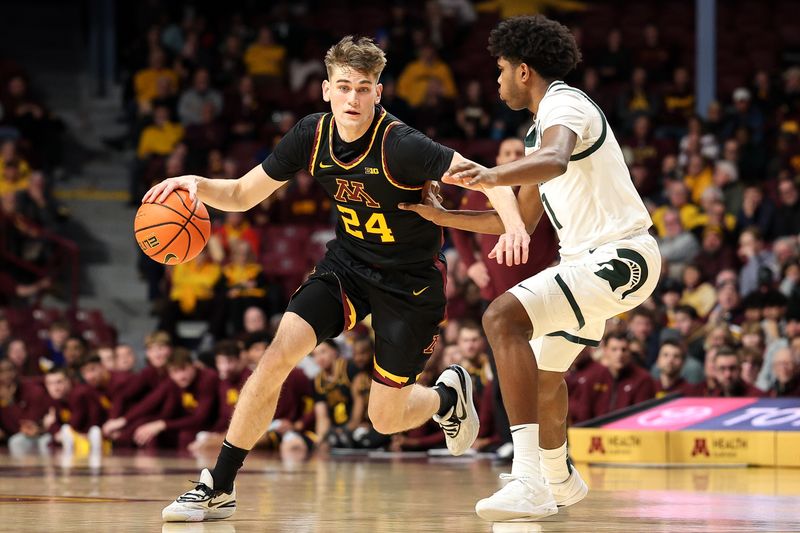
<point x="173" y="232"/>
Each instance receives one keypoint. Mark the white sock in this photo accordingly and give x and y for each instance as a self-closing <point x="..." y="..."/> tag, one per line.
<point x="554" y="464"/>
<point x="526" y="450"/>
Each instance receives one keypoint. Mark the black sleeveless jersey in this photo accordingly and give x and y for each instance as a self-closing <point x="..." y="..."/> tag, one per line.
<point x="366" y="180"/>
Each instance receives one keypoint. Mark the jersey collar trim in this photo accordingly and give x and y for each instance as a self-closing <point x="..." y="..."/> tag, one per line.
<point x="359" y="159"/>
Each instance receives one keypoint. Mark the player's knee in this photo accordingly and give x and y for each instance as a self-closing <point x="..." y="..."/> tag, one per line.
<point x="384" y="420"/>
<point x="551" y="386"/>
<point x="502" y="319"/>
<point x="277" y="361"/>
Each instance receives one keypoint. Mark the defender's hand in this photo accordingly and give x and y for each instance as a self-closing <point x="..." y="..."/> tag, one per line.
<point x="159" y="192"/>
<point x="513" y="246"/>
<point x="431" y="202"/>
<point x="470" y="175"/>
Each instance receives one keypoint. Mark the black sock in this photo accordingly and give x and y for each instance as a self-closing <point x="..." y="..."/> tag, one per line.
<point x="447" y="398"/>
<point x="229" y="461"/>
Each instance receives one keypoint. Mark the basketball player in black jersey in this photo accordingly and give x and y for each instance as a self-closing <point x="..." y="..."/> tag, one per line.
<point x="383" y="261"/>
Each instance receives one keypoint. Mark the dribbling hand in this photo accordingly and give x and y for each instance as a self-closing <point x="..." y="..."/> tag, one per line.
<point x="159" y="192"/>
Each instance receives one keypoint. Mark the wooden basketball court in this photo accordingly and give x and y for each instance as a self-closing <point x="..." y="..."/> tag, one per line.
<point x="418" y="494"/>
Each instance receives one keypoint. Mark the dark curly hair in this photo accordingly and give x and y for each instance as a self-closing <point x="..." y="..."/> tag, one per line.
<point x="545" y="45"/>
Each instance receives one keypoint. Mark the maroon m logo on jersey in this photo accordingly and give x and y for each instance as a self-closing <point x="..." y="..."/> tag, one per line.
<point x="354" y="192"/>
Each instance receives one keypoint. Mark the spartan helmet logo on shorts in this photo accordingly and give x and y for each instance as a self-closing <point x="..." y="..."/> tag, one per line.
<point x="629" y="271"/>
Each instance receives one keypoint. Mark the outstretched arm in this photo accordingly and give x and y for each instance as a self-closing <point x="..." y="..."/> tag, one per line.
<point x="547" y="162"/>
<point x="228" y="195"/>
<point x="513" y="244"/>
<point x="486" y="222"/>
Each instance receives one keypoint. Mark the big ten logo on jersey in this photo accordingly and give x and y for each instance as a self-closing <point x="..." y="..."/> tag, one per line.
<point x="353" y="191"/>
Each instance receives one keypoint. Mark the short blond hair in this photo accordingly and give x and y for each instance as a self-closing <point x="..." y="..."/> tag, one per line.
<point x="361" y="55"/>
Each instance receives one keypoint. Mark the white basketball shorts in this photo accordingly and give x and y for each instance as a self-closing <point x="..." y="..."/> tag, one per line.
<point x="569" y="304"/>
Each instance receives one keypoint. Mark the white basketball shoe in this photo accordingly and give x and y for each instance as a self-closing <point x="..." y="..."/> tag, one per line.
<point x="201" y="503"/>
<point x="571" y="490"/>
<point x="522" y="499"/>
<point x="460" y="424"/>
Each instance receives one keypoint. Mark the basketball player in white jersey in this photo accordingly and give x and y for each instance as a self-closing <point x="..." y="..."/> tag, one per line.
<point x="574" y="171"/>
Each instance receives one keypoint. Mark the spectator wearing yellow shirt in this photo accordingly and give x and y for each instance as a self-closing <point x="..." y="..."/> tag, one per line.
<point x="14" y="170"/>
<point x="194" y="295"/>
<point x="145" y="81"/>
<point x="265" y="57"/>
<point x="245" y="284"/>
<point x="161" y="137"/>
<point x="697" y="292"/>
<point x="699" y="176"/>
<point x="678" y="197"/>
<point x="412" y="85"/>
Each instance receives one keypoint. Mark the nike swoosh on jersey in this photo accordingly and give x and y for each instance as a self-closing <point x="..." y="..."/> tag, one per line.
<point x="417" y="293"/>
<point x="323" y="165"/>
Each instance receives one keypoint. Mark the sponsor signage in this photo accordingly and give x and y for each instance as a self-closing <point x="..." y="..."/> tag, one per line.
<point x="610" y="446"/>
<point x="722" y="447"/>
<point x="773" y="414"/>
<point x="682" y="413"/>
<point x="751" y="431"/>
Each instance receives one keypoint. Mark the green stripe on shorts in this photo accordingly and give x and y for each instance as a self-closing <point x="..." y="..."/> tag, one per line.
<point x="571" y="299"/>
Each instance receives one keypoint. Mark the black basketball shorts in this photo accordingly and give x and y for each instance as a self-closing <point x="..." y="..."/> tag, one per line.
<point x="407" y="307"/>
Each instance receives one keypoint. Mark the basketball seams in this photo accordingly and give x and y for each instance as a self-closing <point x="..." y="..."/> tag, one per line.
<point x="182" y="226"/>
<point x="187" y="219"/>
<point x="187" y="207"/>
<point x="157" y="225"/>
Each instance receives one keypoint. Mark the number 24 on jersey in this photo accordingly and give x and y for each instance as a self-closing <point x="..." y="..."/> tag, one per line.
<point x="375" y="224"/>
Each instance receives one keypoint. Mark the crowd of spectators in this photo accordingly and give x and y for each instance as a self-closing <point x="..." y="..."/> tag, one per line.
<point x="31" y="249"/>
<point x="213" y="99"/>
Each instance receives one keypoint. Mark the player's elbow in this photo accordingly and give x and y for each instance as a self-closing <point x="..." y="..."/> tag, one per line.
<point x="558" y="164"/>
<point x="555" y="161"/>
<point x="240" y="199"/>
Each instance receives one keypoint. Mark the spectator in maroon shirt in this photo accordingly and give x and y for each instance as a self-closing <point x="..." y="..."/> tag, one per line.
<point x="173" y="414"/>
<point x="472" y="345"/>
<point x="158" y="348"/>
<point x="74" y="352"/>
<point x="125" y="358"/>
<point x="233" y="373"/>
<point x="65" y="408"/>
<point x="104" y="383"/>
<point x="727" y="368"/>
<point x="709" y="386"/>
<point x="576" y="378"/>
<point x="473" y="249"/>
<point x="752" y="361"/>
<point x="671" y="357"/>
<point x="107" y="355"/>
<point x="617" y="383"/>
<point x="19" y="399"/>
<point x="26" y="365"/>
<point x="787" y="375"/>
<point x="75" y="404"/>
